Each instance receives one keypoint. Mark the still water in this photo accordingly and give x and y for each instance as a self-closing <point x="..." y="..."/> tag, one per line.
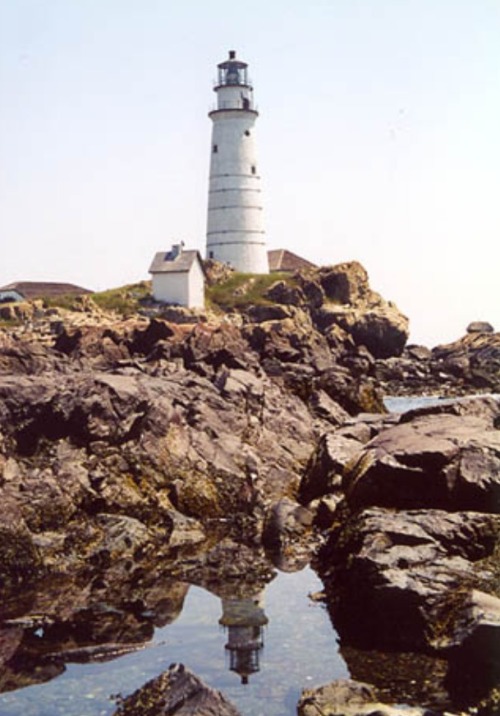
<point x="299" y="650"/>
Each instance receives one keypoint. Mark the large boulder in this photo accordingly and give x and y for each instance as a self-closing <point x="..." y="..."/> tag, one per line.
<point x="382" y="328"/>
<point x="432" y="458"/>
<point x="345" y="283"/>
<point x="327" y="466"/>
<point x="394" y="578"/>
<point x="480" y="327"/>
<point x="353" y="306"/>
<point x="474" y="664"/>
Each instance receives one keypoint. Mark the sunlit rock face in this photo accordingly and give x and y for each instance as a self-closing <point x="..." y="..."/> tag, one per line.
<point x="117" y="432"/>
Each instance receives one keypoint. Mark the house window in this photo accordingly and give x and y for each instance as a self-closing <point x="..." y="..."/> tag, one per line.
<point x="210" y="254"/>
<point x="215" y="149"/>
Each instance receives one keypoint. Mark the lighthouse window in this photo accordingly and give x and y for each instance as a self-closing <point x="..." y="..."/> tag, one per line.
<point x="247" y="132"/>
<point x="254" y="169"/>
<point x="215" y="148"/>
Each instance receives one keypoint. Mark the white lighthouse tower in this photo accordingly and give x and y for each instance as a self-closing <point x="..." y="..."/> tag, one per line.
<point x="235" y="228"/>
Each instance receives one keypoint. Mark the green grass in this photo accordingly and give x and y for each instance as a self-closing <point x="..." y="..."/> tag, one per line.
<point x="242" y="290"/>
<point x="125" y="300"/>
<point x="239" y="291"/>
<point x="66" y="300"/>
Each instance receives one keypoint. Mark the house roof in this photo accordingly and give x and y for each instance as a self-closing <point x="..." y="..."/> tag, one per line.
<point x="37" y="289"/>
<point x="164" y="263"/>
<point x="284" y="260"/>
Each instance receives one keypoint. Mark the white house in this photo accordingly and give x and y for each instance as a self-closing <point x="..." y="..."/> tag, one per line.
<point x="178" y="277"/>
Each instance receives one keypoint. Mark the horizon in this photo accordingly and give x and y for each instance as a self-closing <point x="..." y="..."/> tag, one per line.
<point x="377" y="139"/>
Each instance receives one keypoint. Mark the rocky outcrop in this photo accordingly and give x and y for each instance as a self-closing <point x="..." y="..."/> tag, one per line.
<point x="469" y="365"/>
<point x="393" y="575"/>
<point x="145" y="452"/>
<point x="79" y="446"/>
<point x="350" y="698"/>
<point x="448" y="460"/>
<point x="361" y="312"/>
<point x="156" y="424"/>
<point x="411" y="561"/>
<point x="177" y="691"/>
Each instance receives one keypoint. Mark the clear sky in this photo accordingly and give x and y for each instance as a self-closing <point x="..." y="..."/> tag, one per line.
<point x="378" y="140"/>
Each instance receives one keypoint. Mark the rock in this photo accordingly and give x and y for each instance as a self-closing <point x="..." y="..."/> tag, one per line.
<point x="228" y="569"/>
<point x="480" y="327"/>
<point x="145" y="337"/>
<point x="291" y="340"/>
<point x="260" y="314"/>
<point x="327" y="466"/>
<point x="345" y="283"/>
<point x="386" y="573"/>
<point x="181" y="315"/>
<point x="285" y="522"/>
<point x="431" y="460"/>
<point x="282" y="292"/>
<point x="482" y="353"/>
<point x="216" y="272"/>
<point x="419" y="353"/>
<point x="311" y="288"/>
<point x="20" y="561"/>
<point x="350" y="698"/>
<point x="176" y="691"/>
<point x="466" y="366"/>
<point x="324" y="407"/>
<point x="361" y="312"/>
<point x="401" y="677"/>
<point x="353" y="394"/>
<point x="326" y="510"/>
<point x="382" y="328"/>
<point x="474" y="663"/>
<point x="209" y="347"/>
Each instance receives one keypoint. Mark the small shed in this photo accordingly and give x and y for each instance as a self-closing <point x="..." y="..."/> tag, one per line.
<point x="178" y="277"/>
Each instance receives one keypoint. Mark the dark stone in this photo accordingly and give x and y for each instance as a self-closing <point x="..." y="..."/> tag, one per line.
<point x="432" y="459"/>
<point x="260" y="314"/>
<point x="327" y="466"/>
<point x="282" y="292"/>
<point x="176" y="691"/>
<point x="285" y="522"/>
<point x="386" y="573"/>
<point x="346" y="697"/>
<point x="480" y="327"/>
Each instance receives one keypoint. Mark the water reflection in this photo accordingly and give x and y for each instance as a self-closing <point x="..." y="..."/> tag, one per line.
<point x="59" y="649"/>
<point x="245" y="620"/>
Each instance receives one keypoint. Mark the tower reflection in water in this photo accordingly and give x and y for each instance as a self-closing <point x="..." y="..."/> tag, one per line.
<point x="244" y="620"/>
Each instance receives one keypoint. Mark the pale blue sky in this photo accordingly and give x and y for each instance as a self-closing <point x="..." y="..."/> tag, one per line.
<point x="378" y="140"/>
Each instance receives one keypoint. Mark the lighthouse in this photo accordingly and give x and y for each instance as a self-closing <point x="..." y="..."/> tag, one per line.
<point x="235" y="227"/>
